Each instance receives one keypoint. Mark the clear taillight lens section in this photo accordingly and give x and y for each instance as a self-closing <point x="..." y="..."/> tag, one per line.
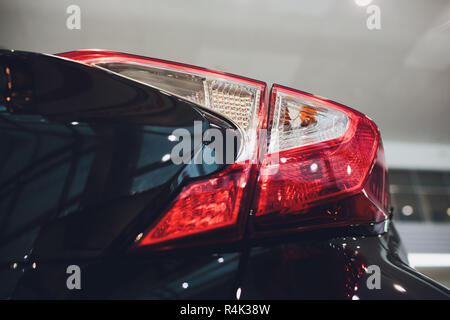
<point x="298" y="121"/>
<point x="215" y="203"/>
<point x="319" y="153"/>
<point x="234" y="97"/>
<point x="237" y="101"/>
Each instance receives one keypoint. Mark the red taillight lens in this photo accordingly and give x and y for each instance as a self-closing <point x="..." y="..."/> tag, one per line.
<point x="321" y="167"/>
<point x="204" y="206"/>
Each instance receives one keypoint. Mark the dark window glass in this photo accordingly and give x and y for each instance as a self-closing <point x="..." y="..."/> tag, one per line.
<point x="439" y="207"/>
<point x="431" y="178"/>
<point x="406" y="207"/>
<point x="420" y="195"/>
<point x="400" y="177"/>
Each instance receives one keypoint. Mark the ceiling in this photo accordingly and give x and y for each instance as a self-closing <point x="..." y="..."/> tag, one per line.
<point x="398" y="75"/>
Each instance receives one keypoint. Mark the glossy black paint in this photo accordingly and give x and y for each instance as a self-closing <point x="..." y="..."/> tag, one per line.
<point x="336" y="268"/>
<point x="81" y="175"/>
<point x="82" y="167"/>
<point x="313" y="267"/>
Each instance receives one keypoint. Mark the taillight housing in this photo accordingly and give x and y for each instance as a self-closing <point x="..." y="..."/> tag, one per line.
<point x="213" y="209"/>
<point x="307" y="162"/>
<point x="324" y="166"/>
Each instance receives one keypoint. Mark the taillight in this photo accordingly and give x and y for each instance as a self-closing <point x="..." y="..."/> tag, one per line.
<point x="234" y="97"/>
<point x="324" y="166"/>
<point x="321" y="166"/>
<point x="206" y="205"/>
<point x="216" y="203"/>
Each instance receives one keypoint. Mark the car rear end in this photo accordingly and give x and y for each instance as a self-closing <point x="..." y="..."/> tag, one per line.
<point x="159" y="180"/>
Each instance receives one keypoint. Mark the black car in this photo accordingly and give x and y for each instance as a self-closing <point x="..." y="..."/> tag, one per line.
<point x="126" y="177"/>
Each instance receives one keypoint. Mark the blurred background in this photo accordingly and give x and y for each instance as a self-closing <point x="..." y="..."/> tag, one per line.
<point x="389" y="59"/>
